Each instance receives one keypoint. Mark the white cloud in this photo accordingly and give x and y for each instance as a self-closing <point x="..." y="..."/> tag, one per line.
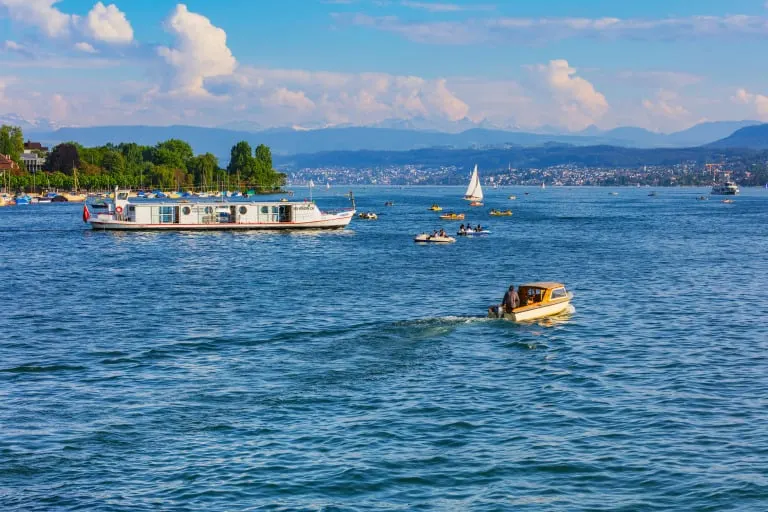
<point x="85" y="47"/>
<point x="14" y="47"/>
<point x="758" y="102"/>
<point x="667" y="110"/>
<point x="108" y="24"/>
<point x="282" y="97"/>
<point x="444" y="7"/>
<point x="200" y="52"/>
<point x="103" y="23"/>
<point x="578" y="99"/>
<point x="40" y="13"/>
<point x="537" y="30"/>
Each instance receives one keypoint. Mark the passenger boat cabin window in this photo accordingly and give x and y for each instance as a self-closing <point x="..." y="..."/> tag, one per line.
<point x="558" y="293"/>
<point x="166" y="215"/>
<point x="186" y="210"/>
<point x="243" y="210"/>
<point x="265" y="209"/>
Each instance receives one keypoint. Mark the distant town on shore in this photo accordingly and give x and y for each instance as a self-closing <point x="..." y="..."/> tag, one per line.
<point x="33" y="165"/>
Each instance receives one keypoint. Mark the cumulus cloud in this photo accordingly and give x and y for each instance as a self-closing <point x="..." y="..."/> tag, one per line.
<point x="578" y="99"/>
<point x="103" y="23"/>
<point x="537" y="30"/>
<point x="758" y="102"/>
<point x="108" y="24"/>
<point x="282" y="97"/>
<point x="200" y="52"/>
<point x="14" y="47"/>
<point x="85" y="47"/>
<point x="40" y="13"/>
<point x="332" y="98"/>
<point x="665" y="106"/>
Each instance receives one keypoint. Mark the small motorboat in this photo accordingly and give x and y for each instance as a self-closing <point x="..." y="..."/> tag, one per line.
<point x="434" y="239"/>
<point x="614" y="193"/>
<point x="727" y="201"/>
<point x="476" y="203"/>
<point x="436" y="208"/>
<point x="537" y="300"/>
<point x="367" y="216"/>
<point x="512" y="197"/>
<point x="452" y="216"/>
<point x="389" y="203"/>
<point x="473" y="232"/>
<point x="500" y="213"/>
<point x="99" y="204"/>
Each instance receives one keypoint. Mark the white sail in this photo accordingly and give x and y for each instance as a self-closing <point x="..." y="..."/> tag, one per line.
<point x="474" y="190"/>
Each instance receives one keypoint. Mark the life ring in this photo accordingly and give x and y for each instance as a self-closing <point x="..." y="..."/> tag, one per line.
<point x="119" y="209"/>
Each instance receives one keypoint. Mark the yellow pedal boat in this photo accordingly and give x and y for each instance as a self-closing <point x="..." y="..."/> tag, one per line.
<point x="537" y="300"/>
<point x="452" y="216"/>
<point x="500" y="213"/>
<point x="436" y="208"/>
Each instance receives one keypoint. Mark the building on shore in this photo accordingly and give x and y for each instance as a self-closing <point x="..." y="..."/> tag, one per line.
<point x="6" y="164"/>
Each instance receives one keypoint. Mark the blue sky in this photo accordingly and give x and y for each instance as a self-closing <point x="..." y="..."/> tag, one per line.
<point x="661" y="65"/>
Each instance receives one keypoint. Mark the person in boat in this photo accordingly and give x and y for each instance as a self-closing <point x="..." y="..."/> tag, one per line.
<point x="443" y="233"/>
<point x="511" y="299"/>
<point x="479" y="228"/>
<point x="461" y="229"/>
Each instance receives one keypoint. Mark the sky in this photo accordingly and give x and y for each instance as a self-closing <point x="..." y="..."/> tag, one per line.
<point x="545" y="65"/>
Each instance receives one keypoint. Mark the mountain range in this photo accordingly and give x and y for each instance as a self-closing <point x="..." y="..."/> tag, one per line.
<point x="296" y="140"/>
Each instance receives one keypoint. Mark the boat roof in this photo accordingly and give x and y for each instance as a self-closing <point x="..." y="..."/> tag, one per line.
<point x="543" y="284"/>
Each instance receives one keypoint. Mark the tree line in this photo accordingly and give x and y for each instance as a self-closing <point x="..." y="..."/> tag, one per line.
<point x="168" y="165"/>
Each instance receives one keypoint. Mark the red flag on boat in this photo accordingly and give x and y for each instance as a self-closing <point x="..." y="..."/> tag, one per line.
<point x="86" y="213"/>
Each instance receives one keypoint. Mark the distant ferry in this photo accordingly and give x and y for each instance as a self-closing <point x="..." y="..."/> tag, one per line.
<point x="727" y="188"/>
<point x="124" y="215"/>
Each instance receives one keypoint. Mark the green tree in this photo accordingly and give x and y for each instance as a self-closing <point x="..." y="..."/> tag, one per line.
<point x="263" y="167"/>
<point x="64" y="158"/>
<point x="11" y="142"/>
<point x="203" y="168"/>
<point x="173" y="153"/>
<point x="241" y="161"/>
<point x="113" y="162"/>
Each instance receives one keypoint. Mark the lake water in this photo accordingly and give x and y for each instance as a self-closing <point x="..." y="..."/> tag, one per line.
<point x="355" y="370"/>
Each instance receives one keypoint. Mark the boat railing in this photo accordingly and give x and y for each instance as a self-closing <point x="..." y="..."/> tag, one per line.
<point x="337" y="211"/>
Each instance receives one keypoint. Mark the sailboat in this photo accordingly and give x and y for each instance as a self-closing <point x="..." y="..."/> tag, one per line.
<point x="474" y="191"/>
<point x="327" y="185"/>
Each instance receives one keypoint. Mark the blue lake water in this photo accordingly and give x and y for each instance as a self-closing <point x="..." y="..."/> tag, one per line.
<point x="355" y="370"/>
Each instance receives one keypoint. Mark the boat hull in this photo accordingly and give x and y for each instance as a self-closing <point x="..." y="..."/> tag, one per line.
<point x="528" y="313"/>
<point x="116" y="225"/>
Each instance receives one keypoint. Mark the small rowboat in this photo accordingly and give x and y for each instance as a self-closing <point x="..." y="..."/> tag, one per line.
<point x="476" y="203"/>
<point x="426" y="238"/>
<point x="368" y="216"/>
<point x="452" y="216"/>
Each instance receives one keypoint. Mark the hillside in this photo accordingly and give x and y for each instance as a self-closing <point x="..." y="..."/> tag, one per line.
<point x="519" y="157"/>
<point x="751" y="137"/>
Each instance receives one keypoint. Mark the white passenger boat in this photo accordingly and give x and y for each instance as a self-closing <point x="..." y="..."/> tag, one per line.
<point x="727" y="188"/>
<point x="125" y="215"/>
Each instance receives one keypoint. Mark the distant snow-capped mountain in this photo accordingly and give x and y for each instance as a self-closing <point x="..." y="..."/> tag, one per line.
<point x="40" y="124"/>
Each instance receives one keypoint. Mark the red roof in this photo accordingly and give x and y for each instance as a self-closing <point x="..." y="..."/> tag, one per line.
<point x="6" y="163"/>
